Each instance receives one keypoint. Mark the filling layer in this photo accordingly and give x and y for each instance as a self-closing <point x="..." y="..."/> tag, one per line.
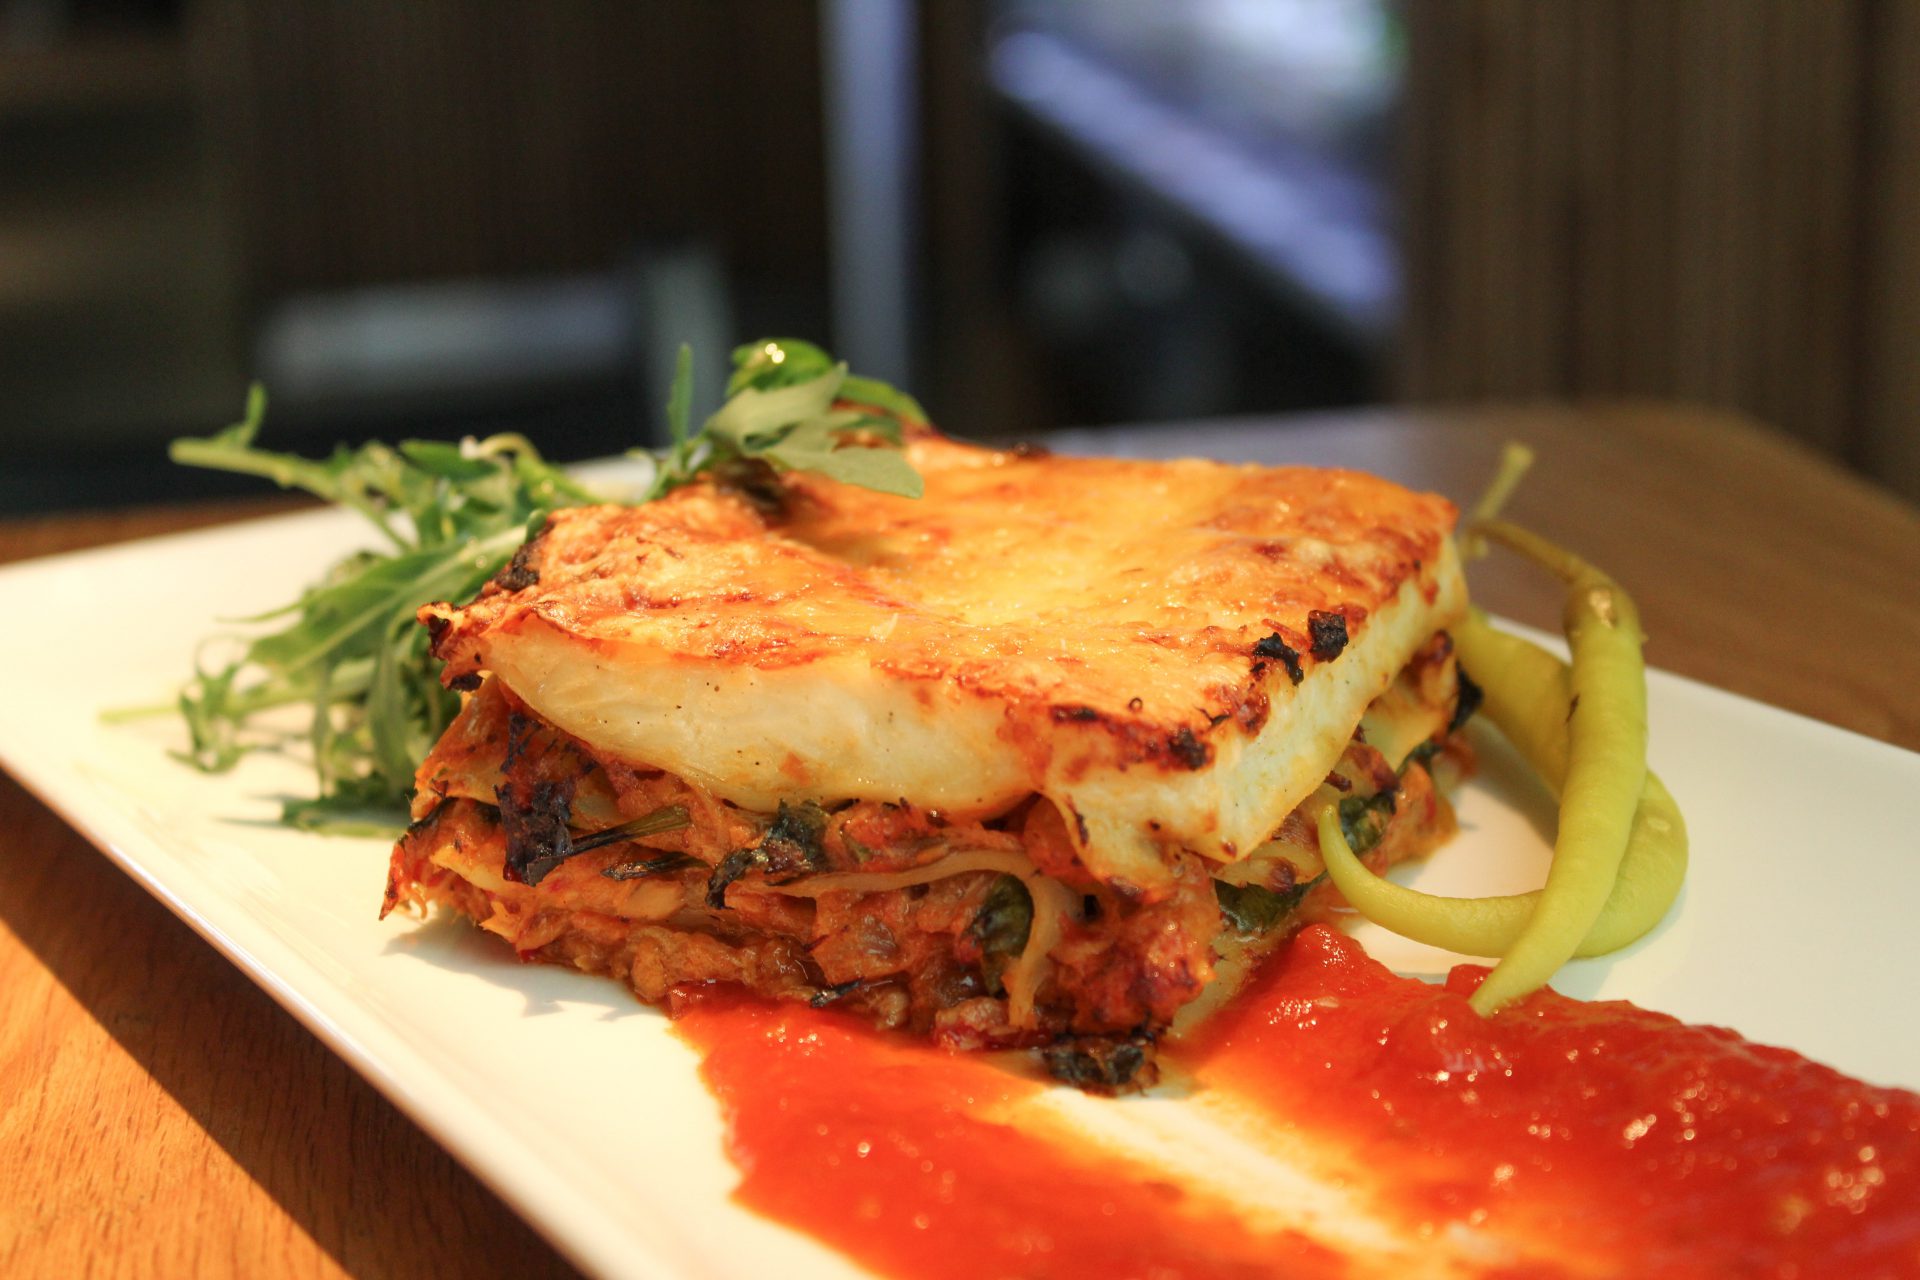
<point x="980" y="932"/>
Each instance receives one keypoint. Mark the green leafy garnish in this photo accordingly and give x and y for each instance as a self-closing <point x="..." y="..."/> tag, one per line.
<point x="453" y="514"/>
<point x="791" y="408"/>
<point x="1421" y="755"/>
<point x="1254" y="909"/>
<point x="1364" y="819"/>
<point x="1001" y="927"/>
<point x="789" y="849"/>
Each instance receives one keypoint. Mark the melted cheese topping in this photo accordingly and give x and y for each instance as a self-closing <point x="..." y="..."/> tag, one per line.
<point x="1088" y="629"/>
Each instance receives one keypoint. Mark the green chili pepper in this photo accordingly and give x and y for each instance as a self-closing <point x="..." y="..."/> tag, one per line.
<point x="1526" y="690"/>
<point x="1606" y="767"/>
<point x="1605" y="774"/>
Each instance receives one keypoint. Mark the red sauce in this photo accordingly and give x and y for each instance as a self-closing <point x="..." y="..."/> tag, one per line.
<point x="887" y="1150"/>
<point x="1666" y="1149"/>
<point x="1600" y="1135"/>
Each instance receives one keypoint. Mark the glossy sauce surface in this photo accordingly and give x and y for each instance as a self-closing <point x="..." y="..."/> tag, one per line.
<point x="907" y="1158"/>
<point x="1666" y="1149"/>
<point x="1559" y="1138"/>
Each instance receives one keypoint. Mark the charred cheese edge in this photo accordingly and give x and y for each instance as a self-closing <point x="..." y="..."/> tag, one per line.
<point x="1121" y="637"/>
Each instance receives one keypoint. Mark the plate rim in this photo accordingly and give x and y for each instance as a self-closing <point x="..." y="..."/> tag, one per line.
<point x="527" y="1179"/>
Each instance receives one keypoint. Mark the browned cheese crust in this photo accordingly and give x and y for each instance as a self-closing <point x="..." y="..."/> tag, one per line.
<point x="1172" y="653"/>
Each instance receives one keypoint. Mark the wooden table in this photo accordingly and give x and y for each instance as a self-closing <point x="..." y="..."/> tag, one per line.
<point x="162" y="1116"/>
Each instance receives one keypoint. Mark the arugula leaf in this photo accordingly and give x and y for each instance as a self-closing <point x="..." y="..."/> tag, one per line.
<point x="358" y="807"/>
<point x="815" y="445"/>
<point x="680" y="396"/>
<point x="790" y="848"/>
<point x="349" y="648"/>
<point x="776" y="362"/>
<point x="1364" y="819"/>
<point x="896" y="404"/>
<point x="448" y="461"/>
<point x="1254" y="909"/>
<point x="755" y="417"/>
<point x="790" y="407"/>
<point x="1001" y="926"/>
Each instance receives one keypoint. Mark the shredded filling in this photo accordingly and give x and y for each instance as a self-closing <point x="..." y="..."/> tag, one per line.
<point x="988" y="934"/>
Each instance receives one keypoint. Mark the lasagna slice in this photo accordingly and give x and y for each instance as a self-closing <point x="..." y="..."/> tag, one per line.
<point x="1006" y="765"/>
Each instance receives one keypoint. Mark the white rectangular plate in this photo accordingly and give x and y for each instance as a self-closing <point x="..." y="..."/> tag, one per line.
<point x="581" y="1109"/>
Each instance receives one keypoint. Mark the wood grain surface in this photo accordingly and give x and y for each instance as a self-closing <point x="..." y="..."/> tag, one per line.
<point x="161" y="1116"/>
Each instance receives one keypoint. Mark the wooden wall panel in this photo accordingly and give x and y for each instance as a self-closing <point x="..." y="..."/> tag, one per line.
<point x="1712" y="200"/>
<point x="1890" y="233"/>
<point x="386" y="141"/>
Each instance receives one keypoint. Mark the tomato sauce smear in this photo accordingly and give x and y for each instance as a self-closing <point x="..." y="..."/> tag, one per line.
<point x="896" y="1154"/>
<point x="1632" y="1143"/>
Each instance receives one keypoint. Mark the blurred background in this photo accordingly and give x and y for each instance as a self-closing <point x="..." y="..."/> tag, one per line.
<point x="451" y="216"/>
